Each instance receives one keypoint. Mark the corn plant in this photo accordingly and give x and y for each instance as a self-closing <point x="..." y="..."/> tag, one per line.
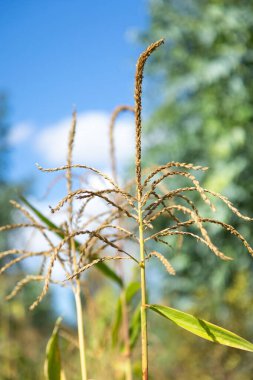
<point x="151" y="205"/>
<point x="143" y="207"/>
<point x="131" y="216"/>
<point x="69" y="252"/>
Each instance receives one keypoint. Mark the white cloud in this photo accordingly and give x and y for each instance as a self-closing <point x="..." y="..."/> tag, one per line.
<point x="91" y="148"/>
<point x="20" y="133"/>
<point x="91" y="142"/>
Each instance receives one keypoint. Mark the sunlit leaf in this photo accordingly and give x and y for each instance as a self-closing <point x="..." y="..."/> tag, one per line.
<point x="204" y="329"/>
<point x="52" y="367"/>
<point x="42" y="217"/>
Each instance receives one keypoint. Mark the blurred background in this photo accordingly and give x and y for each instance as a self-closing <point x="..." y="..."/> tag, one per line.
<point x="198" y="95"/>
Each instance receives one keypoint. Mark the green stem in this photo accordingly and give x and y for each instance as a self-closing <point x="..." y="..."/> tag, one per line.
<point x="144" y="337"/>
<point x="81" y="339"/>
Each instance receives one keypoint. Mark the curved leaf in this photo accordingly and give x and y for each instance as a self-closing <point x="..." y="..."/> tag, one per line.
<point x="135" y="326"/>
<point x="52" y="367"/>
<point x="117" y="323"/>
<point x="105" y="269"/>
<point x="131" y="290"/>
<point x="42" y="217"/>
<point x="204" y="329"/>
<point x="110" y="273"/>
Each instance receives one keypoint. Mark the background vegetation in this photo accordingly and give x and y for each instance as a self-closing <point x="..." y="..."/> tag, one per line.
<point x="203" y="94"/>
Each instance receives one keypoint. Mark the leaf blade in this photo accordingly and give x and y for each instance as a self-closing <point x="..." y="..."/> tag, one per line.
<point x="135" y="327"/>
<point x="117" y="323"/>
<point x="131" y="289"/>
<point x="110" y="273"/>
<point x="202" y="328"/>
<point x="41" y="216"/>
<point x="52" y="367"/>
<point x="105" y="269"/>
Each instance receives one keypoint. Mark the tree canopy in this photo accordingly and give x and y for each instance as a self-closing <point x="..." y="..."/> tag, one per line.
<point x="200" y="96"/>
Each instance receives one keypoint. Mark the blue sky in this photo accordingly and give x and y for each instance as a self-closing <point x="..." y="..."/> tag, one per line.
<point x="56" y="54"/>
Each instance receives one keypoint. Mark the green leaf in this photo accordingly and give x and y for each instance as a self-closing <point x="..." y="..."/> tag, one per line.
<point x="131" y="290"/>
<point x="110" y="273"/>
<point x="126" y="297"/>
<point x="117" y="323"/>
<point x="135" y="326"/>
<point x="105" y="269"/>
<point x="204" y="329"/>
<point x="42" y="217"/>
<point x="52" y="367"/>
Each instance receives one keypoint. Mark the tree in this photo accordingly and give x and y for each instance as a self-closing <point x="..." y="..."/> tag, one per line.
<point x="200" y="96"/>
<point x="4" y="188"/>
<point x="205" y="114"/>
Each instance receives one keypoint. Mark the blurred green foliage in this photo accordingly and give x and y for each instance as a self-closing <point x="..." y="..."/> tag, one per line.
<point x="22" y="334"/>
<point x="5" y="215"/>
<point x="200" y="95"/>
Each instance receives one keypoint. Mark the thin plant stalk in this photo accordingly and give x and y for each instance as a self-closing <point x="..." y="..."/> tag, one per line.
<point x="80" y="324"/>
<point x="73" y="258"/>
<point x="144" y="334"/>
<point x="79" y="316"/>
<point x="128" y="354"/>
<point x="138" y="174"/>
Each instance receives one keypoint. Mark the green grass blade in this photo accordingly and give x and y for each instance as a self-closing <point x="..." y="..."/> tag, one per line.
<point x="131" y="290"/>
<point x="52" y="368"/>
<point x="117" y="323"/>
<point x="135" y="326"/>
<point x="204" y="329"/>
<point x="42" y="217"/>
<point x="110" y="273"/>
<point x="105" y="269"/>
